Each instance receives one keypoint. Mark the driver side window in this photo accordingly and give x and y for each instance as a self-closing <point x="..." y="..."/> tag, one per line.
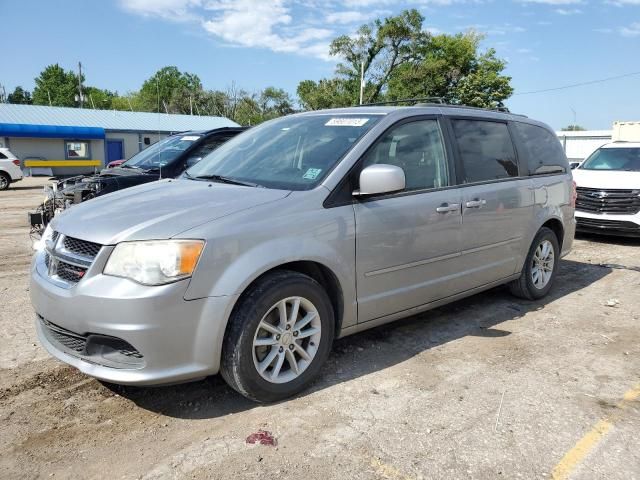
<point x="418" y="149"/>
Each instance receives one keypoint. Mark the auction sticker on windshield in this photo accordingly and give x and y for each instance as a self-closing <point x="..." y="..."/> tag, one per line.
<point x="312" y="173"/>
<point x="346" y="122"/>
<point x="190" y="138"/>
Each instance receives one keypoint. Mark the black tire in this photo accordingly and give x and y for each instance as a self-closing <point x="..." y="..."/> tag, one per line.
<point x="238" y="368"/>
<point x="524" y="286"/>
<point x="5" y="181"/>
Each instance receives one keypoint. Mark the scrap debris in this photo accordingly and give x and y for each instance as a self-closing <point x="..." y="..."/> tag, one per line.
<point x="262" y="437"/>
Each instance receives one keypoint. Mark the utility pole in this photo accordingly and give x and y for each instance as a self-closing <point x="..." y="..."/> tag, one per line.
<point x="80" y="97"/>
<point x="361" y="80"/>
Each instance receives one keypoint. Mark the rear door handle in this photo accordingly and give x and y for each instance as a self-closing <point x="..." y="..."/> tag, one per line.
<point x="477" y="203"/>
<point x="448" y="207"/>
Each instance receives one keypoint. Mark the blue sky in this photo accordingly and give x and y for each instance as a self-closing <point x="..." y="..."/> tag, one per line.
<point x="257" y="43"/>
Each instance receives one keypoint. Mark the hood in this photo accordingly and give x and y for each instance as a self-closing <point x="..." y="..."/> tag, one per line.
<point x="158" y="210"/>
<point x="606" y="179"/>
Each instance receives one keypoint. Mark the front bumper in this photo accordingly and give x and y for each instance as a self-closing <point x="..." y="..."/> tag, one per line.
<point x="173" y="340"/>
<point x="608" y="224"/>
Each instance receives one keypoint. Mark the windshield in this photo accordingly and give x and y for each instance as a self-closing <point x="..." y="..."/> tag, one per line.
<point x="161" y="153"/>
<point x="623" y="159"/>
<point x="290" y="153"/>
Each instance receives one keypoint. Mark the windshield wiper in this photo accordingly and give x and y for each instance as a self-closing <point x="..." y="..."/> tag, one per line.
<point x="223" y="179"/>
<point x="124" y="165"/>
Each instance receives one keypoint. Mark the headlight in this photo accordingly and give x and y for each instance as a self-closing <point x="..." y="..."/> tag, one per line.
<point x="154" y="262"/>
<point x="39" y="245"/>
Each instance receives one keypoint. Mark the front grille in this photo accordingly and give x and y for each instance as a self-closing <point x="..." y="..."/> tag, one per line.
<point x="67" y="258"/>
<point x="602" y="224"/>
<point x="71" y="340"/>
<point x="70" y="273"/>
<point x="102" y="349"/>
<point x="82" y="247"/>
<point x="613" y="201"/>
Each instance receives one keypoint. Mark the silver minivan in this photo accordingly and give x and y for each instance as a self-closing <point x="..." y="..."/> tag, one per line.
<point x="301" y="230"/>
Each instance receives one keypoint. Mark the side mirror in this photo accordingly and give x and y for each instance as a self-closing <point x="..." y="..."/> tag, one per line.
<point x="381" y="178"/>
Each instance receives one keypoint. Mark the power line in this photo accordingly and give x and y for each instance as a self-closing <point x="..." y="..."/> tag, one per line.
<point x="578" y="84"/>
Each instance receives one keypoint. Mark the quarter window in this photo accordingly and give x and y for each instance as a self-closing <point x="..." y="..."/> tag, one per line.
<point x="542" y="149"/>
<point x="486" y="150"/>
<point x="418" y="149"/>
<point x="75" y="150"/>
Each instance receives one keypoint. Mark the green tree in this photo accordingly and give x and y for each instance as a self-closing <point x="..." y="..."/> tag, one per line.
<point x="401" y="60"/>
<point x="56" y="87"/>
<point x="20" y="96"/>
<point x="98" y="98"/>
<point x="169" y="87"/>
<point x="326" y="93"/>
<point x="573" y="128"/>
<point x="452" y="68"/>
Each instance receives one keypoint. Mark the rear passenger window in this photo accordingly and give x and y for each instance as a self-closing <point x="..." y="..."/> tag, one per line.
<point x="2" y="156"/>
<point x="418" y="149"/>
<point x="486" y="150"/>
<point x="542" y="149"/>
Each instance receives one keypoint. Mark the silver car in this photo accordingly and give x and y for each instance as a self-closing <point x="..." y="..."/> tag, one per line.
<point x="299" y="231"/>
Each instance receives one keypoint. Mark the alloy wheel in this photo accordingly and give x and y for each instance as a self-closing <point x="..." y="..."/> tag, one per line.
<point x="286" y="340"/>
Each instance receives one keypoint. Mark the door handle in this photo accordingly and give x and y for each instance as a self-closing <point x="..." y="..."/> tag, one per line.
<point x="477" y="203"/>
<point x="448" y="207"/>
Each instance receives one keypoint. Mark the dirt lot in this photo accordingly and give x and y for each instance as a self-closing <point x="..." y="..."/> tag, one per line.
<point x="491" y="387"/>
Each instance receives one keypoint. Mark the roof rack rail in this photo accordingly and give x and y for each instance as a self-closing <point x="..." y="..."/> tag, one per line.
<point x="429" y="100"/>
<point x="438" y="101"/>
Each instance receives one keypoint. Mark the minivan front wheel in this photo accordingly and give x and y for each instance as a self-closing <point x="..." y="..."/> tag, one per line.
<point x="279" y="336"/>
<point x="539" y="268"/>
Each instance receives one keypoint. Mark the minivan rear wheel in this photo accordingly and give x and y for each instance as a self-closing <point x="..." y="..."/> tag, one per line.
<point x="279" y="336"/>
<point x="539" y="268"/>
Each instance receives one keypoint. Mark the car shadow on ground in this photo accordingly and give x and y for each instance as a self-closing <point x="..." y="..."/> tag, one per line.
<point x="25" y="187"/>
<point x="611" y="239"/>
<point x="375" y="349"/>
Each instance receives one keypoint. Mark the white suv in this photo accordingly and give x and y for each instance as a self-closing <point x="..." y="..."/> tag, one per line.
<point x="9" y="168"/>
<point x="608" y="188"/>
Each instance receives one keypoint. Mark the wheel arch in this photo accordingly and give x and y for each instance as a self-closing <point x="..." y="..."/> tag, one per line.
<point x="311" y="268"/>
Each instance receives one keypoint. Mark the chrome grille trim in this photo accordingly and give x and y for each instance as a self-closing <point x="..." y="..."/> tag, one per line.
<point x="67" y="259"/>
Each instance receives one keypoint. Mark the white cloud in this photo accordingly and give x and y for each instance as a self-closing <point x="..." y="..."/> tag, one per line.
<point x="176" y="10"/>
<point x="632" y="30"/>
<point x="261" y="24"/>
<point x="354" y="16"/>
<point x="504" y="29"/>
<point x="568" y="11"/>
<point x="622" y="3"/>
<point x="554" y="2"/>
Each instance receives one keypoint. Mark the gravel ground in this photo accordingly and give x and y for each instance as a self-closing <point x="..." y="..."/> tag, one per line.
<point x="489" y="387"/>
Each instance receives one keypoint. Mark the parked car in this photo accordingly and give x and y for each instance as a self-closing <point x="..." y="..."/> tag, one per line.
<point x="167" y="158"/>
<point x="115" y="163"/>
<point x="301" y="230"/>
<point x="608" y="185"/>
<point x="10" y="171"/>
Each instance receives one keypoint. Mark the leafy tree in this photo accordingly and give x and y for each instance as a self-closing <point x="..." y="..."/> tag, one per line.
<point x="401" y="60"/>
<point x="450" y="67"/>
<point x="326" y="93"/>
<point x="128" y="102"/>
<point x="158" y="92"/>
<point x="20" y="96"/>
<point x="274" y="102"/>
<point x="573" y="128"/>
<point x="55" y="86"/>
<point x="98" y="98"/>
